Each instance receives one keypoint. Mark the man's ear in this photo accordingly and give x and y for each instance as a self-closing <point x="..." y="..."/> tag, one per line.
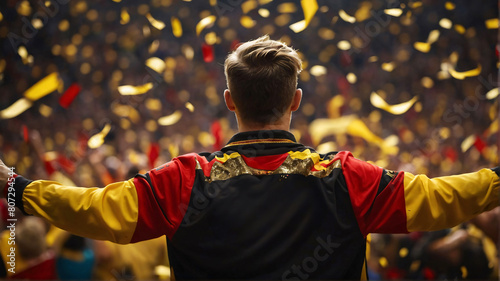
<point x="297" y="98"/>
<point x="229" y="101"/>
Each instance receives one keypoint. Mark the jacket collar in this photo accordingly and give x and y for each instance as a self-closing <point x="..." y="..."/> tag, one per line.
<point x="262" y="137"/>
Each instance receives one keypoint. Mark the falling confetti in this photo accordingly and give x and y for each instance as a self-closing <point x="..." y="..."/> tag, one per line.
<point x="190" y="106"/>
<point x="396" y="12"/>
<point x="156" y="64"/>
<point x="208" y="52"/>
<point x="462" y="75"/>
<point x="309" y="7"/>
<point x="128" y="90"/>
<point x="396" y="109"/>
<point x="492" y="23"/>
<point x="97" y="140"/>
<point x="248" y="6"/>
<point x="492" y="94"/>
<point x="346" y="17"/>
<point x="176" y="27"/>
<point x="318" y="70"/>
<point x="170" y="119"/>
<point x="204" y="23"/>
<point x="247" y="22"/>
<point x="155" y="23"/>
<point x="67" y="98"/>
<point x="16" y="108"/>
<point x="44" y="87"/>
<point x="124" y="16"/>
<point x="154" y="46"/>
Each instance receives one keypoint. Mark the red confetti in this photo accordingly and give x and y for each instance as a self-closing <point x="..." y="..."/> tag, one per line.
<point x="66" y="164"/>
<point x="25" y="133"/>
<point x="153" y="153"/>
<point x="216" y="130"/>
<point x="70" y="94"/>
<point x="479" y="144"/>
<point x="208" y="52"/>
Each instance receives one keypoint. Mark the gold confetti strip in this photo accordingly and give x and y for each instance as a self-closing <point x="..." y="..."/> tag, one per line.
<point x="351" y="78"/>
<point x="396" y="12"/>
<point x="364" y="12"/>
<point x="264" y="2"/>
<point x="459" y="28"/>
<point x="318" y="70"/>
<point x="129" y="90"/>
<point x="433" y="36"/>
<point x="155" y="23"/>
<point x="211" y="38"/>
<point x="264" y="13"/>
<point x="492" y="94"/>
<point x="170" y="119"/>
<point x="124" y="16"/>
<point x="153" y="104"/>
<point x="462" y="75"/>
<point x="423" y="47"/>
<point x="249" y="5"/>
<point x="156" y="64"/>
<point x="44" y="87"/>
<point x="449" y="6"/>
<point x="445" y="23"/>
<point x="464" y="271"/>
<point x="1" y="16"/>
<point x="176" y="27"/>
<point x="189" y="106"/>
<point x="206" y="139"/>
<point x="492" y="23"/>
<point x="126" y="111"/>
<point x="388" y="66"/>
<point x="204" y="23"/>
<point x="383" y="262"/>
<point x="467" y="143"/>
<point x="154" y="46"/>
<point x="16" y="108"/>
<point x="247" y="22"/>
<point x="346" y="17"/>
<point x="403" y="252"/>
<point x="309" y="7"/>
<point x="396" y="109"/>
<point x="45" y="110"/>
<point x="415" y="4"/>
<point x="344" y="45"/>
<point x="97" y="140"/>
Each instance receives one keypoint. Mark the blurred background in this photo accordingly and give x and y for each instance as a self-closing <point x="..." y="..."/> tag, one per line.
<point x="93" y="92"/>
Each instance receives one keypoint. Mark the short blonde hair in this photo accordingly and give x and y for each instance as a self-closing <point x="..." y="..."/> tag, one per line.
<point x="262" y="76"/>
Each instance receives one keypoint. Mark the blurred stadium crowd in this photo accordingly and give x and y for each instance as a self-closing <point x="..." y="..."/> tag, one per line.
<point x="408" y="85"/>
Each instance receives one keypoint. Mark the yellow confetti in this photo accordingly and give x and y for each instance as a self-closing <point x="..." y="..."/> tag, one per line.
<point x="97" y="140"/>
<point x="462" y="75"/>
<point x="211" y="38"/>
<point x="156" y="64"/>
<point x="154" y="46"/>
<point x="388" y="66"/>
<point x="173" y="149"/>
<point x="449" y="6"/>
<point x="492" y="23"/>
<point x="44" y="87"/>
<point x="247" y="22"/>
<point x="153" y="104"/>
<point x="206" y="139"/>
<point x="445" y="23"/>
<point x="249" y="5"/>
<point x="287" y="8"/>
<point x="344" y="45"/>
<point x="204" y="23"/>
<point x="346" y="17"/>
<point x="154" y="22"/>
<point x="190" y="106"/>
<point x="126" y="111"/>
<point x="124" y="16"/>
<point x="45" y="110"/>
<point x="415" y="5"/>
<point x="176" y="27"/>
<point x="16" y="108"/>
<point x="264" y="13"/>
<point x="170" y="119"/>
<point x="468" y="142"/>
<point x="264" y="2"/>
<point x="396" y="109"/>
<point x="396" y="12"/>
<point x="364" y="12"/>
<point x="433" y="36"/>
<point x="460" y="28"/>
<point x="351" y="78"/>
<point x="383" y="261"/>
<point x="464" y="271"/>
<point x="403" y="252"/>
<point x="309" y="7"/>
<point x="422" y="47"/>
<point x="128" y="90"/>
<point x="1" y="16"/>
<point x="492" y="94"/>
<point x="318" y="70"/>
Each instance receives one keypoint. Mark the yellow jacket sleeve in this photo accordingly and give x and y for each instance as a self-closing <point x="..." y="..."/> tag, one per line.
<point x="443" y="202"/>
<point x="108" y="213"/>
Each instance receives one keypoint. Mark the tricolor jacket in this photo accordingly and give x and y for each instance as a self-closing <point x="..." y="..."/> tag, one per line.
<point x="264" y="207"/>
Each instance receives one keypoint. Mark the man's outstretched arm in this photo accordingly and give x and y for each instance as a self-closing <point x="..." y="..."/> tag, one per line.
<point x="121" y="212"/>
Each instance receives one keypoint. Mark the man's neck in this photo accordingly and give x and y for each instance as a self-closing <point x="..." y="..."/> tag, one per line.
<point x="247" y="128"/>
